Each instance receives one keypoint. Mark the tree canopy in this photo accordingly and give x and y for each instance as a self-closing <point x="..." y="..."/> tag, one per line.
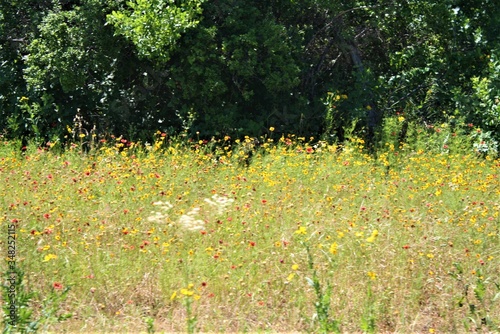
<point x="234" y="67"/>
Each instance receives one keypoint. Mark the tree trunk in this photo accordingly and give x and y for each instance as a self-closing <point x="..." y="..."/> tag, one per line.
<point x="374" y="117"/>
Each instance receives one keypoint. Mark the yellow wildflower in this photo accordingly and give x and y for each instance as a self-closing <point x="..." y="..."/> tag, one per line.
<point x="333" y="248"/>
<point x="186" y="292"/>
<point x="174" y="295"/>
<point x="372" y="237"/>
<point x="49" y="257"/>
<point x="301" y="230"/>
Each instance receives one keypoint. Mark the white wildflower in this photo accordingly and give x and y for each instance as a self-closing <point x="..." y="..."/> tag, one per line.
<point x="157" y="216"/>
<point x="189" y="222"/>
<point x="164" y="205"/>
<point x="219" y="202"/>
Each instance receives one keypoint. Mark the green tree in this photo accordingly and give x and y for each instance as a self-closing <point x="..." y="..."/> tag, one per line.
<point x="434" y="47"/>
<point x="18" y="20"/>
<point x="237" y="67"/>
<point x="76" y="64"/>
<point x="155" y="26"/>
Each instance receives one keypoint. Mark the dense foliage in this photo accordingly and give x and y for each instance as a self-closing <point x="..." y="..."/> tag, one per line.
<point x="234" y="67"/>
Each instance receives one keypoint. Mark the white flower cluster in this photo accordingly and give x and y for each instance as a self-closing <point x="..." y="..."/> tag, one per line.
<point x="189" y="222"/>
<point x="219" y="202"/>
<point x="160" y="216"/>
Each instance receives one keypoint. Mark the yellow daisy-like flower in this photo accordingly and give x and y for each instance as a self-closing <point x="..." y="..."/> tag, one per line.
<point x="333" y="248"/>
<point x="49" y="257"/>
<point x="372" y="237"/>
<point x="301" y="230"/>
<point x="174" y="295"/>
<point x="186" y="292"/>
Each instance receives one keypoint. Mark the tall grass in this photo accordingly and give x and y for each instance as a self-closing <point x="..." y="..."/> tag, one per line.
<point x="284" y="237"/>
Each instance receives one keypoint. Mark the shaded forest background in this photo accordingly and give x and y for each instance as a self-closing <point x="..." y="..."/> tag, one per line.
<point x="239" y="67"/>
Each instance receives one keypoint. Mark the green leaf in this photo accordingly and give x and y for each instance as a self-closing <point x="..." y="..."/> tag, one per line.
<point x="480" y="290"/>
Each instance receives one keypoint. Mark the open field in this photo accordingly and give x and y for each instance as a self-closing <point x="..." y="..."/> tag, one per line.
<point x="173" y="238"/>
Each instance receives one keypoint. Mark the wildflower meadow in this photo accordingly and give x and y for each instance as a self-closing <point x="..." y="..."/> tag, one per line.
<point x="288" y="235"/>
